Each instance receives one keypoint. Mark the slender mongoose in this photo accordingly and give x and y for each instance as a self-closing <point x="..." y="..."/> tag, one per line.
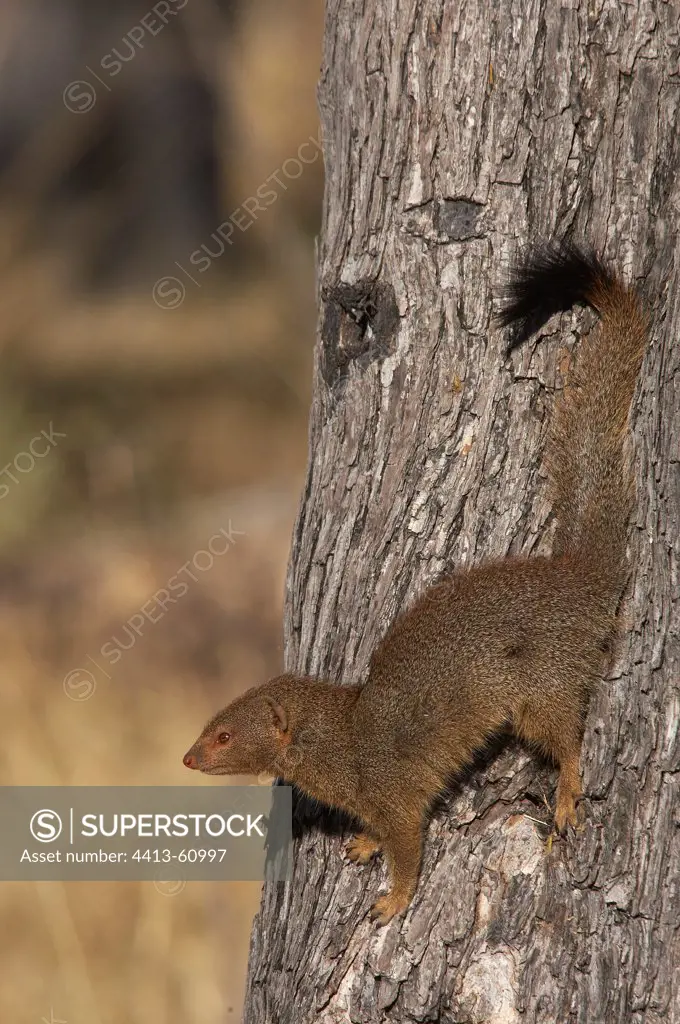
<point x="518" y="642"/>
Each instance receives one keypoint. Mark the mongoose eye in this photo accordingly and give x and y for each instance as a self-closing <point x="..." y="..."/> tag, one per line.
<point x="223" y="737"/>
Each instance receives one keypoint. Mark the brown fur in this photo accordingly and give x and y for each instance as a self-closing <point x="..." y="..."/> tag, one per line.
<point x="518" y="642"/>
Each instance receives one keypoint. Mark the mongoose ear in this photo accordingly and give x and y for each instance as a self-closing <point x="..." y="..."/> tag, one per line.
<point x="280" y="716"/>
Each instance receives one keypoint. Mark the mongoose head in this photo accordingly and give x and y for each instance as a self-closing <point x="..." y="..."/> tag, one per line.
<point x="248" y="737"/>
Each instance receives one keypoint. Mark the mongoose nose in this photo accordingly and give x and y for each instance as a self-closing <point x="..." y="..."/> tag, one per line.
<point x="189" y="761"/>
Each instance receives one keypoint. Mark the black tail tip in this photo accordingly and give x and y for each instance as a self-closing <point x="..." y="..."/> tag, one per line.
<point x="548" y="277"/>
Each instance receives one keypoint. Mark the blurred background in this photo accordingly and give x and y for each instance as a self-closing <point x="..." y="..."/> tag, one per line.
<point x="160" y="190"/>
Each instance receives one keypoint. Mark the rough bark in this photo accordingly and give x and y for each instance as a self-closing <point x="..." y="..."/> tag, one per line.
<point x="453" y="133"/>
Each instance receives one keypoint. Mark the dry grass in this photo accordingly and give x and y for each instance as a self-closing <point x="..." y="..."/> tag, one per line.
<point x="177" y="421"/>
<point x="102" y="953"/>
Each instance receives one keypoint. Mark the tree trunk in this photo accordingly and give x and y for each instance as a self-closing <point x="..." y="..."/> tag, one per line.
<point x="454" y="133"/>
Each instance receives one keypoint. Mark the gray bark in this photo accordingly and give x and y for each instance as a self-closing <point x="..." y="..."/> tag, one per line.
<point x="454" y="133"/>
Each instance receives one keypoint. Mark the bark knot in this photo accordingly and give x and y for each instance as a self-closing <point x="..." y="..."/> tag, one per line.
<point x="460" y="219"/>
<point x="359" y="324"/>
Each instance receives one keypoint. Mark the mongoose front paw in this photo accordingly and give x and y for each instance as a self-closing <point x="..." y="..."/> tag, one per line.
<point x="384" y="908"/>
<point x="361" y="849"/>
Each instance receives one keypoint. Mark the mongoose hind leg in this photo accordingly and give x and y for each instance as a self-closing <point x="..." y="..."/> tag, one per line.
<point x="568" y="790"/>
<point x="561" y="739"/>
<point x="362" y="848"/>
<point x="402" y="847"/>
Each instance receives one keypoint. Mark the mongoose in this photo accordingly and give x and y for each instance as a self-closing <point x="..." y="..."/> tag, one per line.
<point x="518" y="642"/>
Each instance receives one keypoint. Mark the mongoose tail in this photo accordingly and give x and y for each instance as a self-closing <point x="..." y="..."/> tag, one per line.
<point x="588" y="455"/>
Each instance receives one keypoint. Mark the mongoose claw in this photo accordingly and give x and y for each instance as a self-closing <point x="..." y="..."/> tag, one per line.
<point x="385" y="908"/>
<point x="362" y="849"/>
<point x="567" y="813"/>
